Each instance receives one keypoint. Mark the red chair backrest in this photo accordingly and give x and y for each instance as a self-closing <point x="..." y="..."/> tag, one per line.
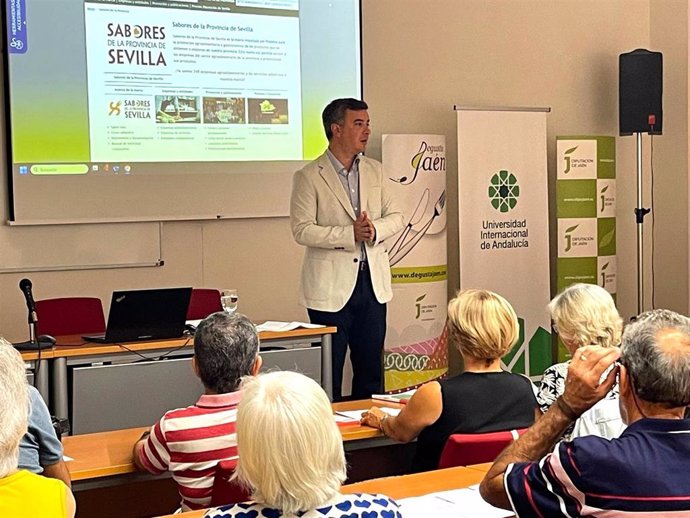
<point x="226" y="491"/>
<point x="70" y="316"/>
<point x="475" y="448"/>
<point x="203" y="302"/>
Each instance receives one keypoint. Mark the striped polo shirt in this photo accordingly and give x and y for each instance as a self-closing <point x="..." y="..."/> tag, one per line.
<point x="641" y="474"/>
<point x="189" y="442"/>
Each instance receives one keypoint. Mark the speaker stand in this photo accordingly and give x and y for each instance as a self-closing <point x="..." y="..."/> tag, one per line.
<point x="640" y="213"/>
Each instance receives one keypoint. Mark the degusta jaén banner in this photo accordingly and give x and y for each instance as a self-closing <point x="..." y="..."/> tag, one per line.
<point x="416" y="348"/>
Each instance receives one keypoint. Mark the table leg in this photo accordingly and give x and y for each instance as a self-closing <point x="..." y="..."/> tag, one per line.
<point x="42" y="377"/>
<point x="326" y="366"/>
<point x="60" y="397"/>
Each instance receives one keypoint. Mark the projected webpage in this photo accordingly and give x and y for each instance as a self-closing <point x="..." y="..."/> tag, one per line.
<point x="175" y="84"/>
<point x="141" y="100"/>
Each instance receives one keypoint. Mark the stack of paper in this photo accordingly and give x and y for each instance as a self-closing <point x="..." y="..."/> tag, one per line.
<point x="343" y="421"/>
<point x="277" y="327"/>
<point x="401" y="397"/>
<point x="357" y="414"/>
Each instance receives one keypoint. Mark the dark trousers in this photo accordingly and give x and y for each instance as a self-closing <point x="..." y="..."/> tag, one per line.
<point x="362" y="325"/>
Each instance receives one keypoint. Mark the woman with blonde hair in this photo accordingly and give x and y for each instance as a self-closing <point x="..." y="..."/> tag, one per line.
<point x="484" y="398"/>
<point x="584" y="314"/>
<point x="291" y="454"/>
<point x="23" y="494"/>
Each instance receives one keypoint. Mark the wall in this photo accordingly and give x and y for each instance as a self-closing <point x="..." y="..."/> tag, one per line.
<point x="669" y="34"/>
<point x="420" y="58"/>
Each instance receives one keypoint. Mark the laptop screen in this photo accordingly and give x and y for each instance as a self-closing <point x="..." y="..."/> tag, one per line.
<point x="147" y="314"/>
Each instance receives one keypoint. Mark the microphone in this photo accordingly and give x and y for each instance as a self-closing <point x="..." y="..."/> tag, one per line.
<point x="25" y="285"/>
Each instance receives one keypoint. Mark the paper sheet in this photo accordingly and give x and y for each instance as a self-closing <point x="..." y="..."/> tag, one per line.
<point x="458" y="503"/>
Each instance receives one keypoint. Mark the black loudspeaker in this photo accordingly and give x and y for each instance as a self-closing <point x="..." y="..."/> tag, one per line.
<point x="640" y="75"/>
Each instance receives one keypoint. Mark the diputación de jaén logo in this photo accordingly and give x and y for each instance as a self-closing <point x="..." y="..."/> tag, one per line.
<point x="569" y="238"/>
<point x="603" y="275"/>
<point x="504" y="191"/>
<point x="566" y="158"/>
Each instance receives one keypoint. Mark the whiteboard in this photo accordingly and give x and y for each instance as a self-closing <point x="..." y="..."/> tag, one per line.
<point x="79" y="246"/>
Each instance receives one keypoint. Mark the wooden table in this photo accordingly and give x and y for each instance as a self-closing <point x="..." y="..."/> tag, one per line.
<point x="107" y="484"/>
<point x="109" y="454"/>
<point x="404" y="486"/>
<point x="73" y="349"/>
<point x="98" y="455"/>
<point x="484" y="468"/>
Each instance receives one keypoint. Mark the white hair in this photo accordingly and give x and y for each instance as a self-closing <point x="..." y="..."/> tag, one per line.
<point x="290" y="450"/>
<point x="585" y="314"/>
<point x="14" y="406"/>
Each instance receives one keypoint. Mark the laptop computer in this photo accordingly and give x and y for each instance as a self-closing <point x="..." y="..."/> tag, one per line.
<point x="139" y="315"/>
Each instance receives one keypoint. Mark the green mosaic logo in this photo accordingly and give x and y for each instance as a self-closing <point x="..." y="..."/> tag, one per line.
<point x="504" y="191"/>
<point x="568" y="237"/>
<point x="418" y="305"/>
<point x="566" y="157"/>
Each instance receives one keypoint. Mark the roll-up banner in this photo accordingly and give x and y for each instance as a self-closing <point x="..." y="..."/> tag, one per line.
<point x="504" y="221"/>
<point x="586" y="210"/>
<point x="416" y="348"/>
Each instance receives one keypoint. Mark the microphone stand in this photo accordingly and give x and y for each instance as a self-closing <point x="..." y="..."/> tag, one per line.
<point x="33" y="337"/>
<point x="32" y="344"/>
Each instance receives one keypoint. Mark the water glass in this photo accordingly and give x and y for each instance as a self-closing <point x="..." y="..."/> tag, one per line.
<point x="228" y="299"/>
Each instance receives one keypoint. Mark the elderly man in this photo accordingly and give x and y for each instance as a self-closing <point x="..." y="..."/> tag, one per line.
<point x="643" y="471"/>
<point x="189" y="442"/>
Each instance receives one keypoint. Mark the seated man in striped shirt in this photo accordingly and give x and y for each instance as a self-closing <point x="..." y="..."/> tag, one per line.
<point x="189" y="442"/>
<point x="644" y="471"/>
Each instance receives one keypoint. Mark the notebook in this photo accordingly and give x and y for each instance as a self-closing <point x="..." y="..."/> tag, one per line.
<point x="138" y="315"/>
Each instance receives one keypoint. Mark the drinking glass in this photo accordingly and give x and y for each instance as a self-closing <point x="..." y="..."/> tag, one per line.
<point x="228" y="299"/>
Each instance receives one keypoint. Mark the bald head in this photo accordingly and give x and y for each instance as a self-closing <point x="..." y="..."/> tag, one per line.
<point x="656" y="354"/>
<point x="673" y="343"/>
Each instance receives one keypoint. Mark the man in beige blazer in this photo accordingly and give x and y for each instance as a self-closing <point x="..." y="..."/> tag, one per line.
<point x="342" y="211"/>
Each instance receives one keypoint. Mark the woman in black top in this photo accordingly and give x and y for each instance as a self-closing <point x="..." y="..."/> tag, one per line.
<point x="484" y="398"/>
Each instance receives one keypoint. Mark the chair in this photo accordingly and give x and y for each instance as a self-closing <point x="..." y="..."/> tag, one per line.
<point x="203" y="302"/>
<point x="70" y="316"/>
<point x="475" y="448"/>
<point x="226" y="491"/>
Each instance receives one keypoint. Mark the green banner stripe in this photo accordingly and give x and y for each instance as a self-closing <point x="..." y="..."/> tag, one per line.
<point x="419" y="274"/>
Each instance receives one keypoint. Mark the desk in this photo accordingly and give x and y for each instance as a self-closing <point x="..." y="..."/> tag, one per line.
<point x="99" y="455"/>
<point x="109" y="454"/>
<point x="71" y="351"/>
<point x="404" y="486"/>
<point x="105" y="480"/>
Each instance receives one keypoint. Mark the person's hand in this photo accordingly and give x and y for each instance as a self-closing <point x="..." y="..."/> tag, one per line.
<point x="582" y="387"/>
<point x="371" y="226"/>
<point x="364" y="228"/>
<point x="373" y="417"/>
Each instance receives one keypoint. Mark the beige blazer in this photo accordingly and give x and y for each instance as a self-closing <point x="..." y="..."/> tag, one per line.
<point x="321" y="217"/>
